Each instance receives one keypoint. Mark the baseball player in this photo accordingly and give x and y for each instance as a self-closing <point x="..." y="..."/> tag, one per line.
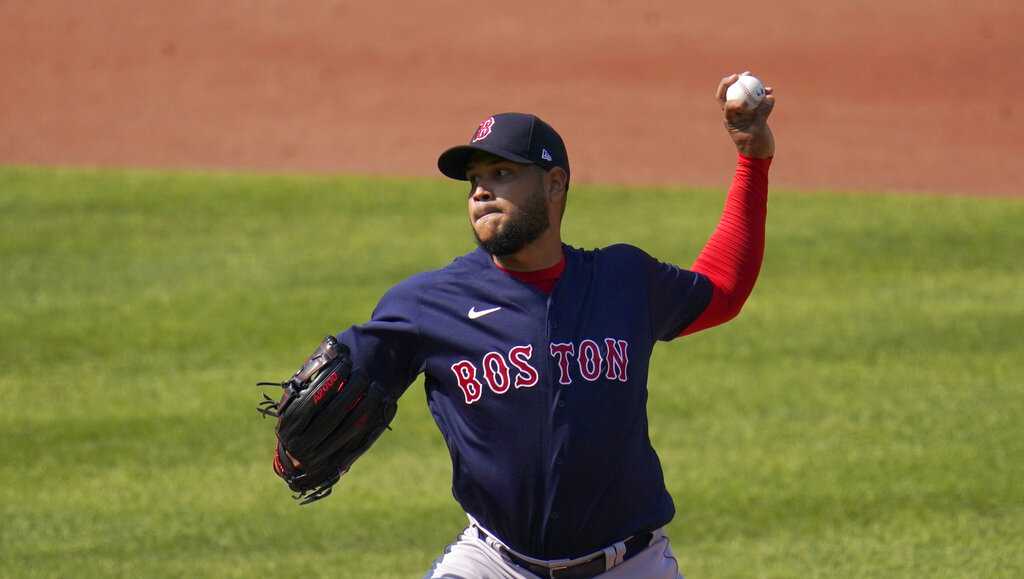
<point x="536" y="356"/>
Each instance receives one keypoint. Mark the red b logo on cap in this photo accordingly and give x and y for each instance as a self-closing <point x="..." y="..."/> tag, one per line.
<point x="483" y="130"/>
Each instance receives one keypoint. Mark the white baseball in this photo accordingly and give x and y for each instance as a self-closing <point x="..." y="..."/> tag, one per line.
<point x="748" y="89"/>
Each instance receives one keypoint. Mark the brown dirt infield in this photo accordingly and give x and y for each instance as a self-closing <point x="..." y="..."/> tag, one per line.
<point x="876" y="96"/>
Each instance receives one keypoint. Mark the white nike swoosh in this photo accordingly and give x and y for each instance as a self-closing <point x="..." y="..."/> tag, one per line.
<point x="473" y="314"/>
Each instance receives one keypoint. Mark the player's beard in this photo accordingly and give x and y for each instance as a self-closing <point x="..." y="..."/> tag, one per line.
<point x="519" y="229"/>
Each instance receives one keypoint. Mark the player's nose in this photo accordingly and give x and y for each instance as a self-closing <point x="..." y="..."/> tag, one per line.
<point x="481" y="193"/>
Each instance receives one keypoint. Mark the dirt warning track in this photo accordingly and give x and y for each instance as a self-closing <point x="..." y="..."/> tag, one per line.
<point x="872" y="96"/>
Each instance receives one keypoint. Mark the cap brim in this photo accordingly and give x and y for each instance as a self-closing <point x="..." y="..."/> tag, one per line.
<point x="453" y="161"/>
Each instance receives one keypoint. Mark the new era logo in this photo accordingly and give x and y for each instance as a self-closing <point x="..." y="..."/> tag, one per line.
<point x="544" y="154"/>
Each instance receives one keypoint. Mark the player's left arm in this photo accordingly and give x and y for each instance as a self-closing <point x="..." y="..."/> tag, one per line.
<point x="731" y="259"/>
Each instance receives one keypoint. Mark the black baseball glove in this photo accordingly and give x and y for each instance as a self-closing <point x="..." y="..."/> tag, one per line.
<point x="328" y="416"/>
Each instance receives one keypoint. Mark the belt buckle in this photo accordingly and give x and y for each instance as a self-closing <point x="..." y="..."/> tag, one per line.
<point x="557" y="571"/>
<point x="553" y="572"/>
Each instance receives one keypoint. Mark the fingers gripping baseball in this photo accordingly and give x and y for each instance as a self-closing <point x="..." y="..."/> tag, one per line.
<point x="746" y="120"/>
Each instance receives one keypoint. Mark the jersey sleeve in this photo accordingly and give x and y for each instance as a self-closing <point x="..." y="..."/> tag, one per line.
<point x="387" y="347"/>
<point x="676" y="296"/>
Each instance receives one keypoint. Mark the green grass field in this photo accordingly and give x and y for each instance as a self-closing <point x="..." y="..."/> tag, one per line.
<point x="864" y="416"/>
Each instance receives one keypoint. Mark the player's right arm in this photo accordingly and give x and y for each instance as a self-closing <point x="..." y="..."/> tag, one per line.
<point x="387" y="346"/>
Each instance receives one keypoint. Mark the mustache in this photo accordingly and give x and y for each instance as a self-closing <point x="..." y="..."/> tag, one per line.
<point x="519" y="229"/>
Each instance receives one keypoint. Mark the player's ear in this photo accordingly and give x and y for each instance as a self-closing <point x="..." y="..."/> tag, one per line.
<point x="557" y="182"/>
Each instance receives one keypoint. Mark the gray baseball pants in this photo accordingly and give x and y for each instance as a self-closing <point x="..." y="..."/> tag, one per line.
<point x="473" y="557"/>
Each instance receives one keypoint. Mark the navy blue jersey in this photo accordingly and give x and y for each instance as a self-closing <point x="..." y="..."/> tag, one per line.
<point x="540" y="399"/>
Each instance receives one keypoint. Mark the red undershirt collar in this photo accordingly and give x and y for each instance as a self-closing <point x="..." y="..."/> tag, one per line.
<point x="542" y="279"/>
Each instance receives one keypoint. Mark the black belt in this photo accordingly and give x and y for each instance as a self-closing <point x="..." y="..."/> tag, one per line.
<point x="583" y="570"/>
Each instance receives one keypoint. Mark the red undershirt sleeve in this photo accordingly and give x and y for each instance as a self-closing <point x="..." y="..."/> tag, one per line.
<point x="731" y="259"/>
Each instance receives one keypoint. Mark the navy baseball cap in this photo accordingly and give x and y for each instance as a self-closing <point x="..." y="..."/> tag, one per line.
<point x="517" y="137"/>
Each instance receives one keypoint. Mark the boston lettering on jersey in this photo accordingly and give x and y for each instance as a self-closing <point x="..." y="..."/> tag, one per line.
<point x="542" y="399"/>
<point x="496" y="368"/>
